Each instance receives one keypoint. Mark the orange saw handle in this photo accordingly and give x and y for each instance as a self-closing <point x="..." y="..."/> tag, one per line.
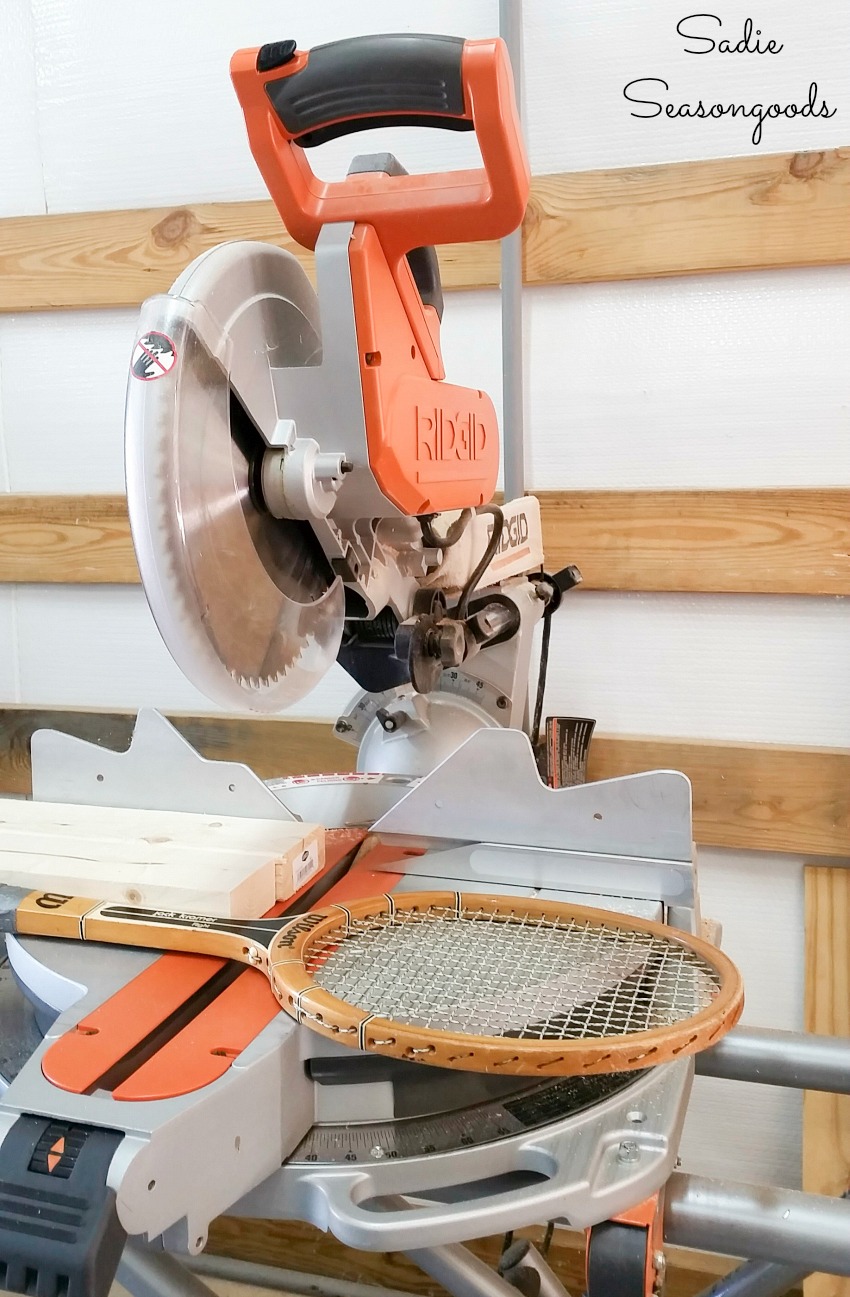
<point x="293" y="99"/>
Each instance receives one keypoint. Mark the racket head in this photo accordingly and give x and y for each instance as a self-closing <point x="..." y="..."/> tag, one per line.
<point x="560" y="990"/>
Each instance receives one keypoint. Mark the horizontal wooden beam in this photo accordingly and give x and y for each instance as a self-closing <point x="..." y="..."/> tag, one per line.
<point x="78" y="539"/>
<point x="109" y="259"/>
<point x="768" y="542"/>
<point x="746" y="795"/>
<point x="720" y="542"/>
<point x="684" y="218"/>
<point x="678" y="218"/>
<point x="271" y="747"/>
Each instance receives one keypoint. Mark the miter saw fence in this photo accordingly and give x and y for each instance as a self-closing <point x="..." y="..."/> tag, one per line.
<point x="303" y="483"/>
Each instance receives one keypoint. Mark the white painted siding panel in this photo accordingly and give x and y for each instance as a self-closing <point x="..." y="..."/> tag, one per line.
<point x="738" y="667"/>
<point x="21" y="182"/>
<point x="9" y="647"/>
<point x="173" y="127"/>
<point x="710" y="381"/>
<point x="735" y="667"/>
<point x="754" y="1129"/>
<point x="707" y="381"/>
<point x="136" y="112"/>
<point x="64" y="378"/>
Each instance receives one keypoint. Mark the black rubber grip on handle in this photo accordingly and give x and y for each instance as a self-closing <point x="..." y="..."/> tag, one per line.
<point x="366" y="81"/>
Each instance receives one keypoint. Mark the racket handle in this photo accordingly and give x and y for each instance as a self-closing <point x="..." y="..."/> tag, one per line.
<point x="47" y="914"/>
<point x="78" y="918"/>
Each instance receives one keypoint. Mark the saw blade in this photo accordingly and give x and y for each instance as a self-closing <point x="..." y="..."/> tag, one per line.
<point x="246" y="603"/>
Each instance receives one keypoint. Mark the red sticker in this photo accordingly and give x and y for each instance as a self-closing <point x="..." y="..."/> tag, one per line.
<point x="154" y="355"/>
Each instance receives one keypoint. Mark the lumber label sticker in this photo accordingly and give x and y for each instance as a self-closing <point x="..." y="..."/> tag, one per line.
<point x="154" y="356"/>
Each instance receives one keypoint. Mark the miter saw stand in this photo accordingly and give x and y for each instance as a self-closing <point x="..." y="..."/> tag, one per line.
<point x="388" y="1156"/>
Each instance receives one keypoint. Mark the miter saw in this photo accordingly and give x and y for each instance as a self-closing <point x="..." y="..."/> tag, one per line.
<point x="304" y="484"/>
<point x="304" y="487"/>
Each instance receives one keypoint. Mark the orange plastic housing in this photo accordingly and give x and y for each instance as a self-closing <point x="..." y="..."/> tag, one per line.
<point x="432" y="445"/>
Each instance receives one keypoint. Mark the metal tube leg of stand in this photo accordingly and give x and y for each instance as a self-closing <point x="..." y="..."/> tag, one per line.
<point x="460" y="1272"/>
<point x="757" y="1279"/>
<point x="146" y="1272"/>
<point x="780" y="1058"/>
<point x="760" y="1279"/>
<point x="805" y="1230"/>
<point x="513" y="453"/>
<point x="527" y="1270"/>
<point x="513" y="439"/>
<point x="274" y="1277"/>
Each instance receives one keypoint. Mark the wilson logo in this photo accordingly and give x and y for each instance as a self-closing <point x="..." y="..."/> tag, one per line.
<point x="52" y="901"/>
<point x="286" y="940"/>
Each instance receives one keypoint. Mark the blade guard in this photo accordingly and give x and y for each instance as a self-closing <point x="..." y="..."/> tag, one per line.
<point x="432" y="446"/>
<point x="276" y="647"/>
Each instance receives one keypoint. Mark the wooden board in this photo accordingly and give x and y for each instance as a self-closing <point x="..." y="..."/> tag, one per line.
<point x="746" y="795"/>
<point x="786" y="209"/>
<point x="224" y="865"/>
<point x="725" y="541"/>
<point x="826" y="1117"/>
<point x="107" y="259"/>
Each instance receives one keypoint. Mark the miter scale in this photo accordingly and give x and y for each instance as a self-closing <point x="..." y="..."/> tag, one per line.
<point x="305" y="487"/>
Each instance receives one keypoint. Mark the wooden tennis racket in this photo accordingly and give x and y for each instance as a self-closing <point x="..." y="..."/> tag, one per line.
<point x="480" y="983"/>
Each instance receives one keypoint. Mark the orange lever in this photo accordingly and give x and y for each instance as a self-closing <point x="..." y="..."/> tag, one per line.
<point x="293" y="99"/>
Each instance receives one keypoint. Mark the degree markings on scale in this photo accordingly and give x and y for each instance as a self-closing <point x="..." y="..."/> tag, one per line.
<point x="530" y="1109"/>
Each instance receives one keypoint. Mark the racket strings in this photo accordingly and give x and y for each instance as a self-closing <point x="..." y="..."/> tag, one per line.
<point x="511" y="974"/>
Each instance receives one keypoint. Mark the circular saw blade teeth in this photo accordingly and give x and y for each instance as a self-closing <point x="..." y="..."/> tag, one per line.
<point x="246" y="603"/>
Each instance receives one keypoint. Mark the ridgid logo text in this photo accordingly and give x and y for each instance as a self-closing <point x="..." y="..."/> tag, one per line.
<point x="444" y="434"/>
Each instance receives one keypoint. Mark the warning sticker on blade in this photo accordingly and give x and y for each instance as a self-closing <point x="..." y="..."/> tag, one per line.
<point x="154" y="355"/>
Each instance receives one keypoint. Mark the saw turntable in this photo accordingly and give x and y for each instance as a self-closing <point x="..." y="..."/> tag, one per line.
<point x="305" y="488"/>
